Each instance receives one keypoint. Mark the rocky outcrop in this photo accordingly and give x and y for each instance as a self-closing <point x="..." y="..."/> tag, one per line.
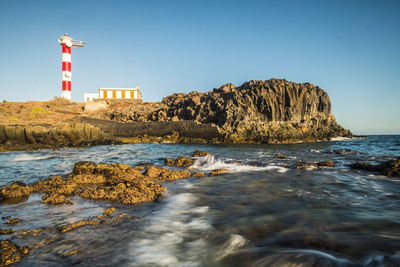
<point x="272" y="111"/>
<point x="117" y="182"/>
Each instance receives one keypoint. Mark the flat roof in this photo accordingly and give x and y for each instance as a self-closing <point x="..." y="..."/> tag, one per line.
<point x="108" y="88"/>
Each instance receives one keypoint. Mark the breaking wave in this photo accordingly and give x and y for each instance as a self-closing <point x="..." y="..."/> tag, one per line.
<point x="209" y="163"/>
<point x="31" y="157"/>
<point x="340" y="138"/>
<point x="160" y="242"/>
<point x="235" y="242"/>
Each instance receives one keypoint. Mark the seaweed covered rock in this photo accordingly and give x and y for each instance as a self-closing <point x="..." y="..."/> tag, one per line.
<point x="326" y="163"/>
<point x="117" y="182"/>
<point x="15" y="190"/>
<point x="11" y="253"/>
<point x="198" y="174"/>
<point x="14" y="221"/>
<point x="91" y="173"/>
<point x="218" y="171"/>
<point x="54" y="198"/>
<point x="7" y="231"/>
<point x="126" y="193"/>
<point x="163" y="174"/>
<point x="54" y="185"/>
<point x="307" y="166"/>
<point x="199" y="153"/>
<point x="73" y="226"/>
<point x="179" y="162"/>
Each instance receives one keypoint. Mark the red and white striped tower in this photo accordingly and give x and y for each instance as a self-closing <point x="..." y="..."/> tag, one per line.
<point x="67" y="43"/>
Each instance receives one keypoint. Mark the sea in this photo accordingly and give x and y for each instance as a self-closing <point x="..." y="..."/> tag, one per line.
<point x="262" y="212"/>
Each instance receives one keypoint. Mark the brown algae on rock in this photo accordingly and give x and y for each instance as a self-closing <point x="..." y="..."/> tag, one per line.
<point x="11" y="253"/>
<point x="14" y="221"/>
<point x="15" y="190"/>
<point x="219" y="171"/>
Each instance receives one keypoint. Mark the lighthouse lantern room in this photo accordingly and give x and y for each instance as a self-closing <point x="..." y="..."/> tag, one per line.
<point x="67" y="43"/>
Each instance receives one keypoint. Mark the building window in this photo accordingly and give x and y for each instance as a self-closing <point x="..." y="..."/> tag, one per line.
<point x="109" y="94"/>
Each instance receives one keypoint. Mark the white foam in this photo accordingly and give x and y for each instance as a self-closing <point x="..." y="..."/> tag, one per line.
<point x="235" y="242"/>
<point x="159" y="242"/>
<point x="31" y="157"/>
<point x="340" y="138"/>
<point x="316" y="150"/>
<point x="209" y="163"/>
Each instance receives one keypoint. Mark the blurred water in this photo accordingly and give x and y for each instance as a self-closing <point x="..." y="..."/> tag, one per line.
<point x="261" y="213"/>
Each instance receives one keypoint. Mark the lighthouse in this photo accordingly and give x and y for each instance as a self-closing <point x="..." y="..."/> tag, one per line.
<point x="67" y="43"/>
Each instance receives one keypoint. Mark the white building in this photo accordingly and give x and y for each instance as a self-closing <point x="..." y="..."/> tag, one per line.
<point x="114" y="93"/>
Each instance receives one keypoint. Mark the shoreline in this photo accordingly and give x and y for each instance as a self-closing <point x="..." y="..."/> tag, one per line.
<point x="273" y="111"/>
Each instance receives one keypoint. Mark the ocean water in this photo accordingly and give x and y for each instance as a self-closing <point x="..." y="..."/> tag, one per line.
<point x="263" y="212"/>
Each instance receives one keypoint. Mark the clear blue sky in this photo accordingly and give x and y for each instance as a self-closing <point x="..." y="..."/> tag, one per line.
<point x="349" y="48"/>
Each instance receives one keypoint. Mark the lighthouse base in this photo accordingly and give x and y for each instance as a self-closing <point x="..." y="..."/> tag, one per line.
<point x="66" y="94"/>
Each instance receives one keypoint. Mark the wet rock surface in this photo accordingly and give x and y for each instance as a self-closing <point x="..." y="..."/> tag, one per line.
<point x="199" y="153"/>
<point x="6" y="231"/>
<point x="14" y="221"/>
<point x="218" y="171"/>
<point x="306" y="166"/>
<point x="179" y="162"/>
<point x="326" y="163"/>
<point x="16" y="189"/>
<point x="54" y="198"/>
<point x="163" y="174"/>
<point x="116" y="182"/>
<point x="279" y="156"/>
<point x="198" y="174"/>
<point x="11" y="253"/>
<point x="389" y="168"/>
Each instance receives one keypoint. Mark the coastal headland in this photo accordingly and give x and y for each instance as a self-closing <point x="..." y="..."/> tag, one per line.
<point x="271" y="111"/>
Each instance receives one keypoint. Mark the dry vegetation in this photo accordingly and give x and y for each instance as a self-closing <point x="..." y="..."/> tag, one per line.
<point x="34" y="112"/>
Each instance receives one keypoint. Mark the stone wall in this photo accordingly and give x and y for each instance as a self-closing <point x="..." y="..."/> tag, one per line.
<point x="189" y="129"/>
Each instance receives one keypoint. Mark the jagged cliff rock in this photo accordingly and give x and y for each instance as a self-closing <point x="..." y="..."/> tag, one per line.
<point x="272" y="111"/>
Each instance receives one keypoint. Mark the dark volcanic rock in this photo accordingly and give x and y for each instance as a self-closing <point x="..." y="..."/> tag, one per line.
<point x="14" y="221"/>
<point x="388" y="168"/>
<point x="199" y="153"/>
<point x="326" y="163"/>
<point x="273" y="111"/>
